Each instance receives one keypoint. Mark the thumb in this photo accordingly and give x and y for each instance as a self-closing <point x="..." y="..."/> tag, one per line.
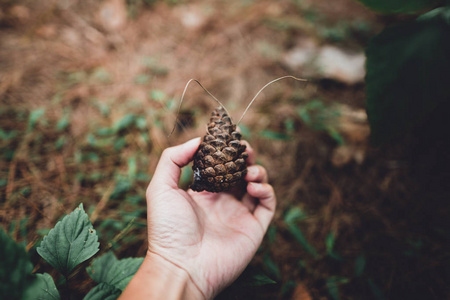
<point x="168" y="171"/>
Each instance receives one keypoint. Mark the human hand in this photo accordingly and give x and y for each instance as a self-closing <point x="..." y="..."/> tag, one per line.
<point x="212" y="237"/>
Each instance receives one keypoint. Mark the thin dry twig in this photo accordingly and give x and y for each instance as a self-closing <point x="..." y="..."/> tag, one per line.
<point x="101" y="204"/>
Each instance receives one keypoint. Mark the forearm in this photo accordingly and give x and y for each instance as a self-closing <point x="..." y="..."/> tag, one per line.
<point x="158" y="278"/>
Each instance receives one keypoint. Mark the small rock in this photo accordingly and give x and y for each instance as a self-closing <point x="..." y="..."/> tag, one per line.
<point x="301" y="55"/>
<point x="326" y="62"/>
<point x="191" y="17"/>
<point x="71" y="37"/>
<point x="334" y="63"/>
<point x="113" y="15"/>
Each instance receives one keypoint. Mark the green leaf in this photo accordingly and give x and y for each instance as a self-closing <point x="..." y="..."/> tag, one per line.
<point x="35" y="115"/>
<point x="273" y="135"/>
<point x="60" y="142"/>
<point x="70" y="242"/>
<point x="103" y="291"/>
<point x="261" y="279"/>
<point x="7" y="135"/>
<point x="142" y="79"/>
<point x="245" y="131"/>
<point x="376" y="291"/>
<point x="329" y="242"/>
<point x="158" y="95"/>
<point x="253" y="277"/>
<point x="123" y="185"/>
<point x="102" y="75"/>
<point x="408" y="68"/>
<point x="63" y="123"/>
<point x="271" y="234"/>
<point x="125" y="122"/>
<point x="333" y="284"/>
<point x="294" y="214"/>
<point x="15" y="268"/>
<point x="132" y="168"/>
<point x="141" y="122"/>
<point x="272" y="266"/>
<point x="43" y="288"/>
<point x="108" y="269"/>
<point x="256" y="279"/>
<point x="120" y="143"/>
<point x="185" y="177"/>
<point x="398" y="6"/>
<point x="106" y="131"/>
<point x="3" y="182"/>
<point x="300" y="238"/>
<point x="360" y="264"/>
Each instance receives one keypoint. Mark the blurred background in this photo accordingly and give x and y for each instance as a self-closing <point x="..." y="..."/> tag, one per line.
<point x="89" y="92"/>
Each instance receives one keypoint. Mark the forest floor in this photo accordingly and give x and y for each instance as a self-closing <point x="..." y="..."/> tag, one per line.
<point x="89" y="92"/>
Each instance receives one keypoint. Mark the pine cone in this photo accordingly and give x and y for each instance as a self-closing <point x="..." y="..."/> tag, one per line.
<point x="219" y="163"/>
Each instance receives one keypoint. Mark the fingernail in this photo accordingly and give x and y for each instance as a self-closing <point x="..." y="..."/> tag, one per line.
<point x="194" y="141"/>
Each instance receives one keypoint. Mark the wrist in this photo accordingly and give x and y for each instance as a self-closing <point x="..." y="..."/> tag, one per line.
<point x="158" y="278"/>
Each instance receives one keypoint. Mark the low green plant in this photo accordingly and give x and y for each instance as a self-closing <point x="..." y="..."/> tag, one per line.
<point x="71" y="242"/>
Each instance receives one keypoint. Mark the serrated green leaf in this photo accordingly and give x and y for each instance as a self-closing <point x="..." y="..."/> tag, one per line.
<point x="15" y="268"/>
<point x="70" y="242"/>
<point x="108" y="269"/>
<point x="43" y="288"/>
<point x="103" y="291"/>
<point x="408" y="67"/>
<point x="398" y="6"/>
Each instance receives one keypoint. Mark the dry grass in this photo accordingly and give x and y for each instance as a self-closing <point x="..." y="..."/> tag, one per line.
<point x="89" y="110"/>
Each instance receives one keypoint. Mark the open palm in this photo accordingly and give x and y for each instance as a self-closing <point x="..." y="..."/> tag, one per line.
<point x="211" y="236"/>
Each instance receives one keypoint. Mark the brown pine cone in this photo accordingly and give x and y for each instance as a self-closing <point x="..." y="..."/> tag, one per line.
<point x="219" y="163"/>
